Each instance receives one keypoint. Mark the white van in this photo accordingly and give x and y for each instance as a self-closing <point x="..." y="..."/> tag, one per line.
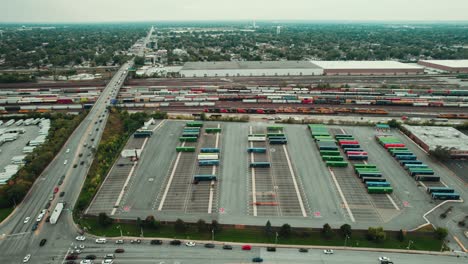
<point x="65" y="162"/>
<point x="101" y="241"/>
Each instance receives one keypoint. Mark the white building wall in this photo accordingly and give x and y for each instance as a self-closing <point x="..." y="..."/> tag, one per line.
<point x="250" y="72"/>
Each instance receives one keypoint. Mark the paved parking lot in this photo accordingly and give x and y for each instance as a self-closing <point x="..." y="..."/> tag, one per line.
<point x="232" y="195"/>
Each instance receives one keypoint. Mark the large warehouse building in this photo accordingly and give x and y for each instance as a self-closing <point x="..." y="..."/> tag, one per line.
<point x="452" y="66"/>
<point x="429" y="137"/>
<point x="249" y="68"/>
<point x="297" y="68"/>
<point x="368" y="68"/>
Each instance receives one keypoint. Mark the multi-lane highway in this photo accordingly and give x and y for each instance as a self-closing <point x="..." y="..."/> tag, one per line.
<point x="72" y="163"/>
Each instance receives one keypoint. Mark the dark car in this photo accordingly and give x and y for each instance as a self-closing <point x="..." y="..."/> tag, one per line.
<point x="34" y="227"/>
<point x="62" y="194"/>
<point x="47" y="205"/>
<point x="90" y="257"/>
<point x="70" y="262"/>
<point x="228" y="247"/>
<point x="176" y="242"/>
<point x="271" y="249"/>
<point x="80" y="155"/>
<point x="42" y="243"/>
<point x="209" y="245"/>
<point x="156" y="242"/>
<point x="119" y="250"/>
<point x="92" y="139"/>
<point x="82" y="162"/>
<point x="257" y="259"/>
<point x="303" y="250"/>
<point x="75" y="165"/>
<point x="71" y="257"/>
<point x="47" y="219"/>
<point x="60" y="182"/>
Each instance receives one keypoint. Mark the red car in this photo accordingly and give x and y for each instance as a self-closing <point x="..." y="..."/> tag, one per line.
<point x="56" y="189"/>
<point x="246" y="247"/>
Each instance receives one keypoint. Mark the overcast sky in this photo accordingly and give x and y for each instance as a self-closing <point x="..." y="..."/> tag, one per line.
<point x="153" y="10"/>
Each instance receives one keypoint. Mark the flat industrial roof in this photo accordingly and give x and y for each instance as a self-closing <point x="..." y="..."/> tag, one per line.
<point x="248" y="65"/>
<point x="435" y="136"/>
<point x="449" y="63"/>
<point x="335" y="65"/>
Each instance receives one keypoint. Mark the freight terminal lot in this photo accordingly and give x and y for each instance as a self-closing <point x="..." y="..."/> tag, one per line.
<point x="298" y="188"/>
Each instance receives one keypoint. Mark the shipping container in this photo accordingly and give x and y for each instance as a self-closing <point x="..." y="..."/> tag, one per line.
<point x="408" y="166"/>
<point x="405" y="157"/>
<point x="377" y="184"/>
<point x="357" y="157"/>
<point x="188" y="139"/>
<point x="204" y="177"/>
<point x="374" y="179"/>
<point x="278" y="141"/>
<point x="374" y="174"/>
<point x="208" y="162"/>
<point x="420" y="171"/>
<point x="260" y="165"/>
<point x="185" y="149"/>
<point x="213" y="130"/>
<point x="194" y="124"/>
<point x="208" y="156"/>
<point x="404" y="162"/>
<point x="379" y="189"/>
<point x="330" y="153"/>
<point x="365" y="166"/>
<point x="430" y="178"/>
<point x="337" y="164"/>
<point x="440" y="190"/>
<point x="333" y="158"/>
<point x="256" y="150"/>
<point x="445" y="196"/>
<point x="209" y="150"/>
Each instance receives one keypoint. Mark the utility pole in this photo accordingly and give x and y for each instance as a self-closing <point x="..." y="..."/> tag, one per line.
<point x="212" y="235"/>
<point x="409" y="244"/>
<point x="346" y="240"/>
<point x="276" y="238"/>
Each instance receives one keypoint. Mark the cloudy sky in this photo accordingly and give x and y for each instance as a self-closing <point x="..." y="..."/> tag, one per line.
<point x="153" y="10"/>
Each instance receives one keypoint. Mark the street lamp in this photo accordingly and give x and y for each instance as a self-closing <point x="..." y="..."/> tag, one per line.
<point x="276" y="238"/>
<point x="120" y="229"/>
<point x="212" y="235"/>
<point x="346" y="240"/>
<point x="409" y="244"/>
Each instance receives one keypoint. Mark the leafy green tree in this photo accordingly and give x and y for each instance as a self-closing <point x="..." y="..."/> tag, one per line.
<point x="327" y="231"/>
<point x="104" y="220"/>
<point x="285" y="231"/>
<point x="401" y="235"/>
<point x="440" y="153"/>
<point x="268" y="229"/>
<point x="201" y="226"/>
<point x="151" y="222"/>
<point x="441" y="233"/>
<point x="139" y="61"/>
<point x="376" y="234"/>
<point x="345" y="230"/>
<point x="180" y="226"/>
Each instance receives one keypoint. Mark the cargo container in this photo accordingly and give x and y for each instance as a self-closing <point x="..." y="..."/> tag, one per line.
<point x="346" y="150"/>
<point x="348" y="146"/>
<point x="420" y="171"/>
<point x="208" y="156"/>
<point x="388" y="145"/>
<point x="365" y="166"/>
<point x="379" y="189"/>
<point x="404" y="162"/>
<point x="188" y="139"/>
<point x="274" y="128"/>
<point x="333" y="158"/>
<point x="408" y="153"/>
<point x="208" y="162"/>
<point x="356" y="153"/>
<point x="374" y="179"/>
<point x="213" y="130"/>
<point x="374" y="174"/>
<point x="339" y="136"/>
<point x="430" y="178"/>
<point x="330" y="153"/>
<point x="278" y="141"/>
<point x="357" y="157"/>
<point x="440" y="190"/>
<point x="185" y="149"/>
<point x="275" y="135"/>
<point x="445" y="196"/>
<point x="209" y="150"/>
<point x="194" y="124"/>
<point x="204" y="177"/>
<point x="405" y="157"/>
<point x="328" y="147"/>
<point x="256" y="138"/>
<point x="377" y="184"/>
<point x="408" y="166"/>
<point x="256" y="150"/>
<point x="257" y="135"/>
<point x="190" y="134"/>
<point x="260" y="165"/>
<point x="337" y="163"/>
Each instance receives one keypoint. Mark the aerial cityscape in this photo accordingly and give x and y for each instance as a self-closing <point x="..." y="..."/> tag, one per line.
<point x="233" y="132"/>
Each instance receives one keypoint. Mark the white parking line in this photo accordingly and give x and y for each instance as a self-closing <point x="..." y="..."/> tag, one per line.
<point x="342" y="196"/>
<point x="117" y="203"/>
<point x="254" y="195"/>
<point x="163" y="199"/>
<point x="393" y="202"/>
<point x="210" y="202"/>
<point x="296" y="187"/>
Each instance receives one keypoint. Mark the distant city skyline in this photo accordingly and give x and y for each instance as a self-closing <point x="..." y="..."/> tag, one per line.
<point x="56" y="11"/>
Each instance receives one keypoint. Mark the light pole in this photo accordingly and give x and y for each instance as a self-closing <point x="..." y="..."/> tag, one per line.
<point x="346" y="240"/>
<point x="212" y="235"/>
<point x="276" y="238"/>
<point x="409" y="244"/>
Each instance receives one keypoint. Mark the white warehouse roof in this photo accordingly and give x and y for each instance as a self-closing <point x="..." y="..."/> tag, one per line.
<point x="449" y="63"/>
<point x="335" y="65"/>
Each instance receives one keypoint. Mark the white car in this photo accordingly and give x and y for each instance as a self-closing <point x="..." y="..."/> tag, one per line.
<point x="101" y="240"/>
<point x="190" y="244"/>
<point x="120" y="241"/>
<point x="383" y="258"/>
<point x="26" y="220"/>
<point x="107" y="261"/>
<point x="27" y="258"/>
<point x="86" y="261"/>
<point x="80" y="238"/>
<point x="68" y="150"/>
<point x="328" y="251"/>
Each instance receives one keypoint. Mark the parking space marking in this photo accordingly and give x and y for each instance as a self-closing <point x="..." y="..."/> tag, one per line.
<point x="254" y="195"/>
<point x="130" y="174"/>
<point x="341" y="195"/>
<point x="296" y="187"/>
<point x="166" y="190"/>
<point x="210" y="202"/>
<point x="393" y="202"/>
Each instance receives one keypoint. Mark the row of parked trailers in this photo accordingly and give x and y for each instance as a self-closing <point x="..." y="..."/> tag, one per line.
<point x="415" y="168"/>
<point x="326" y="146"/>
<point x="368" y="173"/>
